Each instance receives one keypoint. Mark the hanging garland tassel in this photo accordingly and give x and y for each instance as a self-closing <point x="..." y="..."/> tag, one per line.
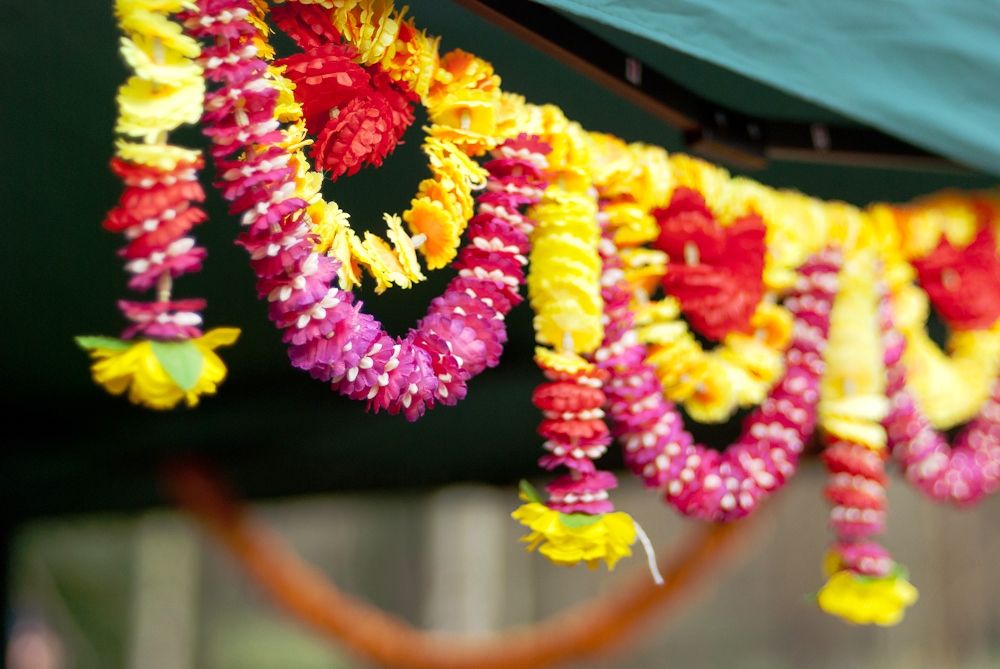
<point x="162" y="358"/>
<point x="865" y="585"/>
<point x="578" y="522"/>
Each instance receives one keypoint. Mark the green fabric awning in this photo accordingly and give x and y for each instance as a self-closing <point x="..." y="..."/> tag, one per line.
<point x="925" y="71"/>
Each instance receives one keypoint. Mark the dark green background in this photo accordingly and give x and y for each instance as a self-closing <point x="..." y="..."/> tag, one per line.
<point x="71" y="448"/>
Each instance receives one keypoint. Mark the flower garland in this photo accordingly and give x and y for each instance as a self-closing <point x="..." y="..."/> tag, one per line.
<point x="714" y="276"/>
<point x="961" y="473"/>
<point x="327" y="333"/>
<point x="162" y="358"/>
<point x="356" y="98"/>
<point x="865" y="585"/>
<point x="578" y="522"/>
<point x="701" y="482"/>
<point x="950" y="244"/>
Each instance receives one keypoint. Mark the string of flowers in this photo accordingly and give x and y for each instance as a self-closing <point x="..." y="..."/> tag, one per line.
<point x="713" y="274"/>
<point x="948" y="244"/>
<point x="578" y="522"/>
<point x="327" y="332"/>
<point x="699" y="481"/>
<point x="865" y="585"/>
<point x="162" y="358"/>
<point x="353" y="87"/>
<point x="963" y="472"/>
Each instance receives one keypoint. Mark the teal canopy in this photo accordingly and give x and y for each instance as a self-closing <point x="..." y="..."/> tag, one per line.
<point x="925" y="71"/>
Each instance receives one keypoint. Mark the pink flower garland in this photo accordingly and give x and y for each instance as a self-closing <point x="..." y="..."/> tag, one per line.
<point x="701" y="482"/>
<point x="963" y="473"/>
<point x="327" y="332"/>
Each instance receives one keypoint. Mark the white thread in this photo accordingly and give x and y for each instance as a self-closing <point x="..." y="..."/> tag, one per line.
<point x="647" y="545"/>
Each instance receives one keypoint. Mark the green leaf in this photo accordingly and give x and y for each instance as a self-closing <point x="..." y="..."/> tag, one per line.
<point x="181" y="360"/>
<point x="90" y="342"/>
<point x="578" y="519"/>
<point x="529" y="493"/>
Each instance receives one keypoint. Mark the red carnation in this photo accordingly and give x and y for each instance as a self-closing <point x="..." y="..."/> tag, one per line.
<point x="308" y="25"/>
<point x="715" y="272"/>
<point x="325" y="77"/>
<point x="963" y="284"/>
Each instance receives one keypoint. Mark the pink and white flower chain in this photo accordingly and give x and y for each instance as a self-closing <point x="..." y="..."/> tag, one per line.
<point x="327" y="332"/>
<point x="701" y="482"/>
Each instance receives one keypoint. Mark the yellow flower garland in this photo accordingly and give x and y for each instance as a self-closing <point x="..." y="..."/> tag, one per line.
<point x="949" y="385"/>
<point x="469" y="115"/>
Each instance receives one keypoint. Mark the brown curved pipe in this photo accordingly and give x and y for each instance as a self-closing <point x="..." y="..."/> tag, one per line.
<point x="582" y="631"/>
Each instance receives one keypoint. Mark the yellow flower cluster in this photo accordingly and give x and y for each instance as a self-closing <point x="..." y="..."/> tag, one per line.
<point x="712" y="385"/>
<point x="166" y="88"/>
<point x="390" y="263"/>
<point x="564" y="280"/>
<point x="949" y="385"/>
<point x="853" y="401"/>
<point x="864" y="600"/>
<point x="469" y="114"/>
<point x="569" y="539"/>
<point x="160" y="375"/>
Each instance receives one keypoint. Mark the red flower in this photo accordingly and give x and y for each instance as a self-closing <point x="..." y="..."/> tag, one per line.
<point x="963" y="284"/>
<point x="325" y="77"/>
<point x="357" y="115"/>
<point x="308" y="25"/>
<point x="366" y="130"/>
<point x="715" y="272"/>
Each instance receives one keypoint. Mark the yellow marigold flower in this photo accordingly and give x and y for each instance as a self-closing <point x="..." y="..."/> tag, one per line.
<point x="644" y="268"/>
<point x="632" y="224"/>
<point x="445" y="157"/>
<point x="653" y="181"/>
<point x="562" y="361"/>
<point x="161" y="156"/>
<point x="372" y="27"/>
<point x="679" y="366"/>
<point x="856" y="418"/>
<point x="865" y="600"/>
<point x="349" y="273"/>
<point x="146" y="109"/>
<point x="405" y="252"/>
<point x="439" y="226"/>
<point x="569" y="539"/>
<point x="714" y="397"/>
<point x="286" y="108"/>
<point x="414" y="61"/>
<point x="295" y="136"/>
<point x="922" y="224"/>
<point x="762" y="362"/>
<point x="159" y="375"/>
<point x="561" y="323"/>
<point x="154" y="25"/>
<point x="328" y="219"/>
<point x="380" y="252"/>
<point x="772" y="324"/>
<point x="466" y="118"/>
<point x="610" y="164"/>
<point x="667" y="309"/>
<point x="167" y="68"/>
<point x="460" y="70"/>
<point x="662" y="333"/>
<point x="367" y="256"/>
